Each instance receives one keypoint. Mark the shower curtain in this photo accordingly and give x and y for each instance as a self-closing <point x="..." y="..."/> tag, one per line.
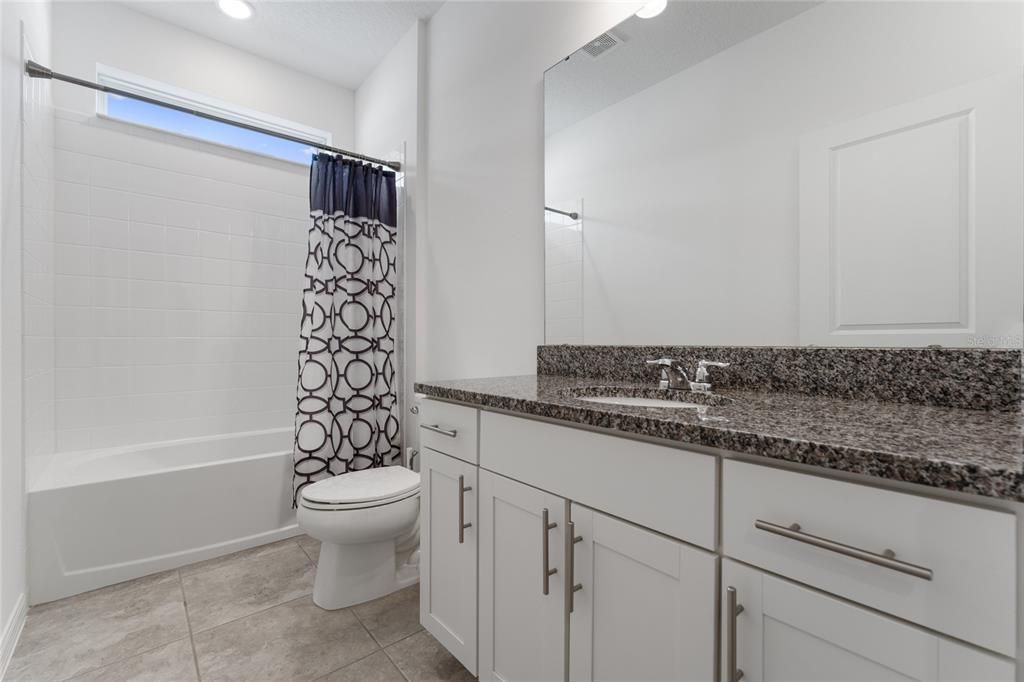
<point x="346" y="415"/>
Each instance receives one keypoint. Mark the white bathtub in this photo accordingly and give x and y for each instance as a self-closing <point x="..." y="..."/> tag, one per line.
<point x="99" y="517"/>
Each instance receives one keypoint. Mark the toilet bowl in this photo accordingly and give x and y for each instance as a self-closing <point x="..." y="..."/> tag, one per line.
<point x="368" y="525"/>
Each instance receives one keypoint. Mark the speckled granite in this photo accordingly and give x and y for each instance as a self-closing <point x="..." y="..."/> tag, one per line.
<point x="970" y="378"/>
<point x="970" y="451"/>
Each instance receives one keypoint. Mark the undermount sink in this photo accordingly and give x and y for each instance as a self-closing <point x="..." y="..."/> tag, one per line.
<point x="646" y="396"/>
<point x="639" y="402"/>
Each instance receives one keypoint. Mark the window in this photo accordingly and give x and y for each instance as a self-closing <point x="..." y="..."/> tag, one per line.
<point x="197" y="127"/>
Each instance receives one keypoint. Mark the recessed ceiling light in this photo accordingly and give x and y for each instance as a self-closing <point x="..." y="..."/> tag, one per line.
<point x="651" y="9"/>
<point x="236" y="9"/>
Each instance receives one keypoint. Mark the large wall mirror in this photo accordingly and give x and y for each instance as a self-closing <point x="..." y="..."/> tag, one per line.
<point x="789" y="173"/>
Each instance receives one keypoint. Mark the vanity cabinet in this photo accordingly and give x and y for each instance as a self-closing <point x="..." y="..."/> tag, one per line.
<point x="645" y="607"/>
<point x="774" y="630"/>
<point x="522" y="582"/>
<point x="556" y="553"/>
<point x="448" y="548"/>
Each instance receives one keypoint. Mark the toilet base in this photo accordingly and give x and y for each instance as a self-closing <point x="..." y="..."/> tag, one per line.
<point x="353" y="574"/>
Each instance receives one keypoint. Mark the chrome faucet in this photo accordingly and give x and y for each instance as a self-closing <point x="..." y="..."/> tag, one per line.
<point x="674" y="378"/>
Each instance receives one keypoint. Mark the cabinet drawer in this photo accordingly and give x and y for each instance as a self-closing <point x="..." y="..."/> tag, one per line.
<point x="947" y="566"/>
<point x="448" y="428"/>
<point x="668" y="490"/>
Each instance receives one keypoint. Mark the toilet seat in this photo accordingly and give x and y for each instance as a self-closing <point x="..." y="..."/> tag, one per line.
<point x="362" y="489"/>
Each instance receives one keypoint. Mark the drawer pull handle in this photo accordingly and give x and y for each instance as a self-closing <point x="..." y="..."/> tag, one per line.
<point x="733" y="673"/>
<point x="546" y="528"/>
<point x="886" y="559"/>
<point x="437" y="429"/>
<point x="463" y="489"/>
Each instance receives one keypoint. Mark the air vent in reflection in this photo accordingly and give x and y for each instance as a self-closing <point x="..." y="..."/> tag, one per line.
<point x="600" y="45"/>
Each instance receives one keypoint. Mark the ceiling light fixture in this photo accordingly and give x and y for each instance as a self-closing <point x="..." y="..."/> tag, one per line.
<point x="236" y="9"/>
<point x="651" y="9"/>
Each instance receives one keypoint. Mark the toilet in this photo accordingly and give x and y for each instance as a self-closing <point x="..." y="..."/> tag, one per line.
<point x="368" y="524"/>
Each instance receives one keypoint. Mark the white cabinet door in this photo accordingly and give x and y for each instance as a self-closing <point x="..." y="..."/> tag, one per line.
<point x="910" y="223"/>
<point x="787" y="633"/>
<point x="645" y="609"/>
<point x="448" y="546"/>
<point x="522" y="629"/>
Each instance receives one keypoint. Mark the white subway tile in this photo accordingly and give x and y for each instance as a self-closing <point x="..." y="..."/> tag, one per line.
<point x="146" y="237"/>
<point x="72" y="197"/>
<point x="108" y="203"/>
<point x="71" y="228"/>
<point x="108" y="232"/>
<point x="71" y="166"/>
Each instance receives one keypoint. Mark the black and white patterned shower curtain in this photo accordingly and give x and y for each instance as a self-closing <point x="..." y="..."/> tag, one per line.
<point x="347" y="411"/>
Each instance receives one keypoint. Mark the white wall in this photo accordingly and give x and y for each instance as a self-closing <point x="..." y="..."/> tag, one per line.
<point x="178" y="263"/>
<point x="563" y="276"/>
<point x="31" y="20"/>
<point x="480" y="268"/>
<point x="111" y="34"/>
<point x="701" y="247"/>
<point x="389" y="114"/>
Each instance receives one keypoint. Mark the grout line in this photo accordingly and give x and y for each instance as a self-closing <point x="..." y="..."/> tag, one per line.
<point x="274" y="606"/>
<point x="351" y="663"/>
<point x="363" y="626"/>
<point x="119" y="660"/>
<point x="397" y="667"/>
<point x="313" y="561"/>
<point x="188" y="622"/>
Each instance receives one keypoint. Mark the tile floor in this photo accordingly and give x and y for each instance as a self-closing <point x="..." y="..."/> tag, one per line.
<point x="248" y="616"/>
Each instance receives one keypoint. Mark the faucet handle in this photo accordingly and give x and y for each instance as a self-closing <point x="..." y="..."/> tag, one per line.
<point x="702" y="368"/>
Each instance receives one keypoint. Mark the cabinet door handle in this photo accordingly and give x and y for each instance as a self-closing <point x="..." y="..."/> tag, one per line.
<point x="570" y="561"/>
<point x="463" y="489"/>
<point x="436" y="428"/>
<point x="886" y="559"/>
<point x="733" y="610"/>
<point x="546" y="528"/>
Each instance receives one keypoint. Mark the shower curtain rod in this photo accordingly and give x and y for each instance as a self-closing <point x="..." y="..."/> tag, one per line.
<point x="36" y="70"/>
<point x="572" y="214"/>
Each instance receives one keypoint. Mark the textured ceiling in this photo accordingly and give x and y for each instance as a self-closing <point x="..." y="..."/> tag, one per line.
<point x="338" y="41"/>
<point x="651" y="50"/>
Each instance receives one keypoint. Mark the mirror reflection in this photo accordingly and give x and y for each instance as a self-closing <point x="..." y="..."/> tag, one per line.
<point x="789" y="173"/>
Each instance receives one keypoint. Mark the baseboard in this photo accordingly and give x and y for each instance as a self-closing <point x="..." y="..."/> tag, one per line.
<point x="11" y="633"/>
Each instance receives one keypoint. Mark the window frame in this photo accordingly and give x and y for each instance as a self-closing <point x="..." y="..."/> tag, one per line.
<point x="147" y="87"/>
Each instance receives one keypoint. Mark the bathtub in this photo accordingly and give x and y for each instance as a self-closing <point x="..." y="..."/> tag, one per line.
<point x="96" y="518"/>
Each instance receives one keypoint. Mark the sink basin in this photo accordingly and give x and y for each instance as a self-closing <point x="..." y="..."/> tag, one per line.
<point x="646" y="396"/>
<point x="639" y="402"/>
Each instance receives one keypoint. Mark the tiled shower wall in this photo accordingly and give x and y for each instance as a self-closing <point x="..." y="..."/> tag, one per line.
<point x="178" y="286"/>
<point x="37" y="173"/>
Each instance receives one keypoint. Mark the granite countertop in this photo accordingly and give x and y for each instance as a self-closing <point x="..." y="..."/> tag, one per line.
<point x="971" y="451"/>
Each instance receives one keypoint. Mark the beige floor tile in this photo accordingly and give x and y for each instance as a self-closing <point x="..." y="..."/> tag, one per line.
<point x="421" y="658"/>
<point x="294" y="641"/>
<point x="374" y="668"/>
<point x="261" y="550"/>
<point x="85" y="632"/>
<point x="172" y="662"/>
<point x="393" y="617"/>
<point x="311" y="547"/>
<point x="246" y="584"/>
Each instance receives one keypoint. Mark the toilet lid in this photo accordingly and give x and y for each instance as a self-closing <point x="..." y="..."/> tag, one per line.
<point x="367" y="485"/>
